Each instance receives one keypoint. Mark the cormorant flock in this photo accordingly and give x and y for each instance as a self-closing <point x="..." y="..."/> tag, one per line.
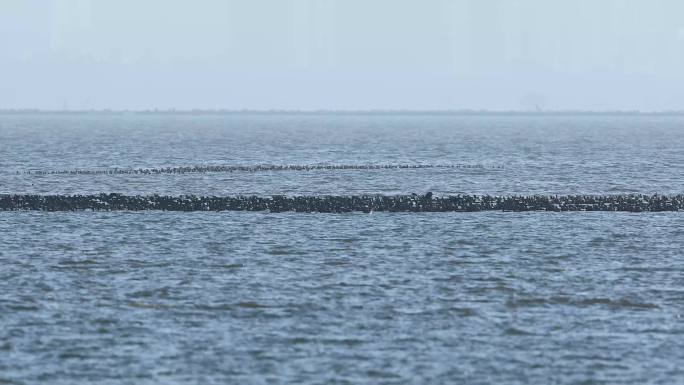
<point x="343" y="204"/>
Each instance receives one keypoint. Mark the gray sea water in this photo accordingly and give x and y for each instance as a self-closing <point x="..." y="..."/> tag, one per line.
<point x="421" y="298"/>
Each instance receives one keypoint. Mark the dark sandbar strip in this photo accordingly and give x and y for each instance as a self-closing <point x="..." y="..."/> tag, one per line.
<point x="343" y="204"/>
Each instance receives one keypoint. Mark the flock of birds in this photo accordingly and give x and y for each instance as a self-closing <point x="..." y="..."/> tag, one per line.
<point x="344" y="204"/>
<point x="326" y="203"/>
<point x="253" y="168"/>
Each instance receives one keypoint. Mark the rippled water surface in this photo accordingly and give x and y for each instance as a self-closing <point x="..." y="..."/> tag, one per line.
<point x="540" y="154"/>
<point x="237" y="297"/>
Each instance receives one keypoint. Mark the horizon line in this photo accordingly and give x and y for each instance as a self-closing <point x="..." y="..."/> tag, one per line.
<point x="379" y="111"/>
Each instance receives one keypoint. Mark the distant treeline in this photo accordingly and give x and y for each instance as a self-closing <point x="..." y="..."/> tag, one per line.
<point x="344" y="204"/>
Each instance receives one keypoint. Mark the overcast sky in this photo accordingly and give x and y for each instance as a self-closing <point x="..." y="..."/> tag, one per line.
<point x="342" y="54"/>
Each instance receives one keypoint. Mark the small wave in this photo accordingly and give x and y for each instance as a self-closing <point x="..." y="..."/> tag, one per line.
<point x="230" y="266"/>
<point x="617" y="303"/>
<point x="513" y="331"/>
<point x="251" y="305"/>
<point x="77" y="263"/>
<point x="149" y="305"/>
<point x="621" y="303"/>
<point x="73" y="355"/>
<point x="22" y="307"/>
<point x="382" y="374"/>
<point x="214" y="307"/>
<point x="162" y="292"/>
<point x="463" y="311"/>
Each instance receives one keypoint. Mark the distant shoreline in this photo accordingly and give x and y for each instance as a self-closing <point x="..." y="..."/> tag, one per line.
<point x="337" y="112"/>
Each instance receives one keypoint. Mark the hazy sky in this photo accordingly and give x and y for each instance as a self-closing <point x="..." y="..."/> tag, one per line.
<point x="342" y="54"/>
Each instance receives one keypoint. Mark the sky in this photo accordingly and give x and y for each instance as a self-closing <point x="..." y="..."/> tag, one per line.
<point x="342" y="54"/>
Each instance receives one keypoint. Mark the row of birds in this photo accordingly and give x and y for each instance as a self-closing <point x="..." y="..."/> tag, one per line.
<point x="337" y="204"/>
<point x="254" y="168"/>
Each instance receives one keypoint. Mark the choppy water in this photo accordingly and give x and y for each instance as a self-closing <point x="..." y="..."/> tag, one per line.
<point x="158" y="297"/>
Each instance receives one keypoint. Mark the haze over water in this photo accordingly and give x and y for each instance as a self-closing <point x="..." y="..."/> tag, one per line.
<point x="343" y="54"/>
